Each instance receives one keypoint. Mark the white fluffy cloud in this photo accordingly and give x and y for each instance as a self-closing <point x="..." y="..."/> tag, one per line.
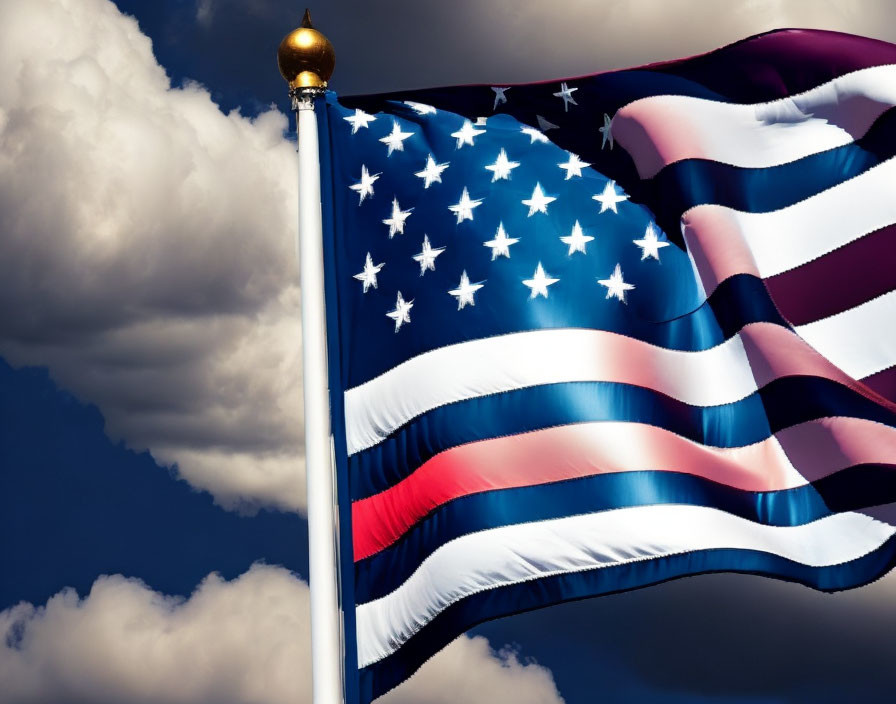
<point x="148" y="250"/>
<point x="230" y="642"/>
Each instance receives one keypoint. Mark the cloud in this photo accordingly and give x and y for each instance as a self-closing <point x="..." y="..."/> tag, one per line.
<point x="148" y="250"/>
<point x="230" y="642"/>
<point x="470" y="671"/>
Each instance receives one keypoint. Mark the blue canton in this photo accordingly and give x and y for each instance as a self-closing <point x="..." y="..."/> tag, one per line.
<point x="450" y="229"/>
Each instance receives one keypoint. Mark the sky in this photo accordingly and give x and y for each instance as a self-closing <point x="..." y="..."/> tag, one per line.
<point x="152" y="538"/>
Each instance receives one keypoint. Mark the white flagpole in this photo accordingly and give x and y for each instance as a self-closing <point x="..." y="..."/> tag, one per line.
<point x="326" y="647"/>
<point x="306" y="61"/>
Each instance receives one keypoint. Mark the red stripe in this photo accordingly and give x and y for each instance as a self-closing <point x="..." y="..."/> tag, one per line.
<point x="773" y="352"/>
<point x="884" y="383"/>
<point x="586" y="449"/>
<point x="779" y="63"/>
<point x="830" y="284"/>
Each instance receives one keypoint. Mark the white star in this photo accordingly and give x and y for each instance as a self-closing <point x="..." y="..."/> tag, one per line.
<point x="500" y="246"/>
<point x="464" y="207"/>
<point x="574" y="166"/>
<point x="609" y="198"/>
<point x="616" y="287"/>
<point x="395" y="140"/>
<point x="538" y="203"/>
<point x="368" y="276"/>
<point x="396" y="222"/>
<point x="545" y="125"/>
<point x="534" y="135"/>
<point x="566" y="94"/>
<point x="499" y="96"/>
<point x="359" y="119"/>
<point x="364" y="187"/>
<point x="420" y="108"/>
<point x="402" y="312"/>
<point x="432" y="172"/>
<point x="465" y="291"/>
<point x="577" y="239"/>
<point x="466" y="134"/>
<point x="539" y="282"/>
<point x="606" y="132"/>
<point x="427" y="256"/>
<point x="502" y="167"/>
<point x="650" y="245"/>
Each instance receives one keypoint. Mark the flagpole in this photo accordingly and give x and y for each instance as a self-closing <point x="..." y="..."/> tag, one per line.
<point x="306" y="59"/>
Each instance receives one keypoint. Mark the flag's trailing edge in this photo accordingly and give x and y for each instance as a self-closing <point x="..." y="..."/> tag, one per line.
<point x="595" y="334"/>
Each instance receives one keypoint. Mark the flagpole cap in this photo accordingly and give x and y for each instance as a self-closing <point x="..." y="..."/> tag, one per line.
<point x="306" y="57"/>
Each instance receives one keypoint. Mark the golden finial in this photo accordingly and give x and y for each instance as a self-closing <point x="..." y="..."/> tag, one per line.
<point x="306" y="57"/>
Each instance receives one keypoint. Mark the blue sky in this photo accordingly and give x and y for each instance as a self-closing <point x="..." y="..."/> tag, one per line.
<point x="149" y="384"/>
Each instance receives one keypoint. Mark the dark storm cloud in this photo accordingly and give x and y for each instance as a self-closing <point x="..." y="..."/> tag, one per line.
<point x="399" y="44"/>
<point x="725" y="636"/>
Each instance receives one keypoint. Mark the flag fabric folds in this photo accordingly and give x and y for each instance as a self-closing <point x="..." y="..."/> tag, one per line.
<point x="594" y="334"/>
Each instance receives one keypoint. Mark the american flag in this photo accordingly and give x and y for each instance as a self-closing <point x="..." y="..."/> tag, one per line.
<point x="593" y="334"/>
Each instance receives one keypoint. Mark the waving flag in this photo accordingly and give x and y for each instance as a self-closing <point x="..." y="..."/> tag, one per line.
<point x="593" y="334"/>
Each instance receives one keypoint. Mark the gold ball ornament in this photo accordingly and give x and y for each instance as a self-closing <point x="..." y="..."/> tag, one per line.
<point x="305" y="57"/>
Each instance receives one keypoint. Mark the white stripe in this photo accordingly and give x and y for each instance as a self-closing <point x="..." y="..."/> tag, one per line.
<point x="518" y="553"/>
<point x="763" y="134"/>
<point x="473" y="369"/>
<point x="784" y="239"/>
<point x="861" y="340"/>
